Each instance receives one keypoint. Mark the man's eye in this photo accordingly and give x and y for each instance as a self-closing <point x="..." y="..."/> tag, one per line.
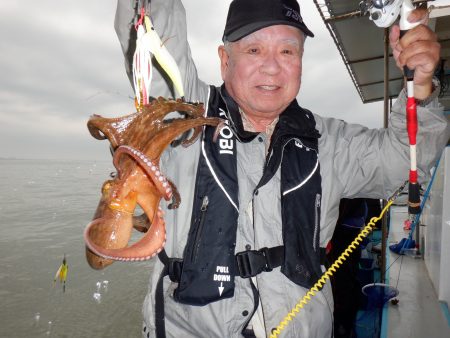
<point x="253" y="50"/>
<point x="287" y="51"/>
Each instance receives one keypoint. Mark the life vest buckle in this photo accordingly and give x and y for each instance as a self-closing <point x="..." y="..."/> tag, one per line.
<point x="252" y="262"/>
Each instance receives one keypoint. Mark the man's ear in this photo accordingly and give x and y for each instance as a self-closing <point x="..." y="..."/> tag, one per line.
<point x="223" y="56"/>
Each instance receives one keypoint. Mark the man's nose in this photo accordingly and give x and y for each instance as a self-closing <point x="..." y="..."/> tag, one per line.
<point x="270" y="64"/>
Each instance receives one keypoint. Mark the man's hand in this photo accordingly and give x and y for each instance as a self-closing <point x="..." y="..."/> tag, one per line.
<point x="419" y="50"/>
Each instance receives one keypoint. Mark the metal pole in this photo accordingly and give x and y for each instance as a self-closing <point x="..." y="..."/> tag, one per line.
<point x="384" y="224"/>
<point x="418" y="244"/>
<point x="348" y="15"/>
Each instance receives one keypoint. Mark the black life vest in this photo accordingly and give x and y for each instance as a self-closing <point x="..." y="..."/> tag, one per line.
<point x="208" y="268"/>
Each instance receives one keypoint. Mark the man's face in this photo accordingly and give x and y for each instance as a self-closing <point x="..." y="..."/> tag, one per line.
<point x="262" y="71"/>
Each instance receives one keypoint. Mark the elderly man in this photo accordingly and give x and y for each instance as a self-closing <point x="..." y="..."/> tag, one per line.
<point x="260" y="204"/>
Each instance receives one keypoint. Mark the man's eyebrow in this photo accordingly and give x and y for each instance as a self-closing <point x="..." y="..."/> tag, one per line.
<point x="251" y="39"/>
<point x="292" y="42"/>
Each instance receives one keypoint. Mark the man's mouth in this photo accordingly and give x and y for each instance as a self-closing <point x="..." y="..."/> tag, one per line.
<point x="268" y="87"/>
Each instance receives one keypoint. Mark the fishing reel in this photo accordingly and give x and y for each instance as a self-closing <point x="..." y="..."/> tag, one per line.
<point x="382" y="12"/>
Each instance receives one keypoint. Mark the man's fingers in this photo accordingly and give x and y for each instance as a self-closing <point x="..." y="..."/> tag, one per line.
<point x="419" y="15"/>
<point x="419" y="33"/>
<point x="394" y="36"/>
<point x="418" y="49"/>
<point x="394" y="39"/>
<point x="430" y="48"/>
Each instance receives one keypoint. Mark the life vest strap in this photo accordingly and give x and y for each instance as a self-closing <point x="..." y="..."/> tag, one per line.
<point x="249" y="263"/>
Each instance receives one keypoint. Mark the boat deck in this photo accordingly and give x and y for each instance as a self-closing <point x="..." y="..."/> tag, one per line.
<point x="419" y="313"/>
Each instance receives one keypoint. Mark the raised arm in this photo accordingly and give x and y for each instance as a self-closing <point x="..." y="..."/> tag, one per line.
<point x="382" y="156"/>
<point x="169" y="20"/>
<point x="374" y="162"/>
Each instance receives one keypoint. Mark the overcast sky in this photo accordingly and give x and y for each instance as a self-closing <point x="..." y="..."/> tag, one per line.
<point x="61" y="61"/>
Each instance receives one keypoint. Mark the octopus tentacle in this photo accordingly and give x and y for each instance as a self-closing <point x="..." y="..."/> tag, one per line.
<point x="190" y="141"/>
<point x="147" y="247"/>
<point x="113" y="129"/>
<point x="176" y="198"/>
<point x="150" y="168"/>
<point x="141" y="223"/>
<point x="218" y="129"/>
<point x="143" y="137"/>
<point x="163" y="137"/>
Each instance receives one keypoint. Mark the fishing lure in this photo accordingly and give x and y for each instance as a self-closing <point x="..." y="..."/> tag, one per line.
<point x="142" y="66"/>
<point x="61" y="274"/>
<point x="149" y="43"/>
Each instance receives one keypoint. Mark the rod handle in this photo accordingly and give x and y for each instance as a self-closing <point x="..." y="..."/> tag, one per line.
<point x="414" y="198"/>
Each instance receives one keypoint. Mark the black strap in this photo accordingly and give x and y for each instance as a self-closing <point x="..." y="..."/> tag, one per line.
<point x="248" y="333"/>
<point x="172" y="268"/>
<point x="160" y="324"/>
<point x="249" y="263"/>
<point x="323" y="258"/>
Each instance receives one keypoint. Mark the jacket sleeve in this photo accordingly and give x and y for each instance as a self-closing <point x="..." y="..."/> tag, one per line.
<point x="169" y="20"/>
<point x="373" y="163"/>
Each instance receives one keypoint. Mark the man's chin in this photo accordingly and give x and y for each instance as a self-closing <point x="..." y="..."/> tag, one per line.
<point x="269" y="108"/>
<point x="266" y="113"/>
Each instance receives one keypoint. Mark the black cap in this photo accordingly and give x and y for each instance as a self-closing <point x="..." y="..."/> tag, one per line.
<point x="248" y="16"/>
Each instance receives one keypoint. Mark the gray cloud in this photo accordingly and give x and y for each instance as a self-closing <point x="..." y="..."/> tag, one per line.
<point x="58" y="66"/>
<point x="61" y="62"/>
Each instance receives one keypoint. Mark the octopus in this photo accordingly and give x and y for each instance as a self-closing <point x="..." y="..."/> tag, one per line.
<point x="137" y="142"/>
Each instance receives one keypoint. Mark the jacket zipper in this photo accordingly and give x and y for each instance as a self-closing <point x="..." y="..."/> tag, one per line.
<point x="316" y="221"/>
<point x="199" y="230"/>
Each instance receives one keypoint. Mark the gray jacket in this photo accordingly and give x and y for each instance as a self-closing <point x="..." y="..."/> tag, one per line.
<point x="354" y="162"/>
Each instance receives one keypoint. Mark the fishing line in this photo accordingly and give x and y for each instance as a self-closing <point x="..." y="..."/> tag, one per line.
<point x="399" y="269"/>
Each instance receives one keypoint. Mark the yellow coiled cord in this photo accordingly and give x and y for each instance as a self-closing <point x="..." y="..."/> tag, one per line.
<point x="332" y="269"/>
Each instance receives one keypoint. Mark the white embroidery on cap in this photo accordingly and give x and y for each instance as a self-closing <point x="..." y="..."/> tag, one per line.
<point x="293" y="14"/>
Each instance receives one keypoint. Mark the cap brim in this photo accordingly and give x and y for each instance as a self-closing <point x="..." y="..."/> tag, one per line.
<point x="253" y="27"/>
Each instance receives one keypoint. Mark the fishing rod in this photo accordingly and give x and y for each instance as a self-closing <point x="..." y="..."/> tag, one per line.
<point x="411" y="117"/>
<point x="383" y="13"/>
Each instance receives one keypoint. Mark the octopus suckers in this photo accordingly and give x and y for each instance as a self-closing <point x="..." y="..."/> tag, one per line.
<point x="142" y="137"/>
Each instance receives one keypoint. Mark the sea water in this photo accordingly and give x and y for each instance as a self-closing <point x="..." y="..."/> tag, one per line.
<point x="44" y="207"/>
